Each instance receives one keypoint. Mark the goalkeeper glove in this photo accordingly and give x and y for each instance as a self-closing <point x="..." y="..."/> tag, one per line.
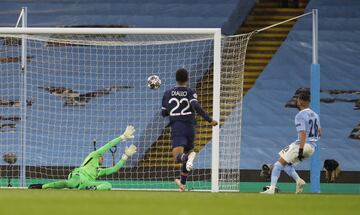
<point x="128" y="133"/>
<point x="129" y="151"/>
<point x="301" y="154"/>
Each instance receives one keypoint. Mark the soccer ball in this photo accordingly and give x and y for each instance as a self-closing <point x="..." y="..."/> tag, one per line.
<point x="153" y="82"/>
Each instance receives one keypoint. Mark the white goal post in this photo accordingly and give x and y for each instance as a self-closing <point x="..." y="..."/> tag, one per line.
<point x="56" y="61"/>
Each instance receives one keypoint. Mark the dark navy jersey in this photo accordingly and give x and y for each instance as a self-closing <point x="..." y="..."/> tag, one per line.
<point x="180" y="104"/>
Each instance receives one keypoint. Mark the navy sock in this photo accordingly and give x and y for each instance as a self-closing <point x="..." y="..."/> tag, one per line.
<point x="184" y="174"/>
<point x="181" y="158"/>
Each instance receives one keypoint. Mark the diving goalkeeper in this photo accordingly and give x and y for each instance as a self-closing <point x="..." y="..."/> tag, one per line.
<point x="84" y="177"/>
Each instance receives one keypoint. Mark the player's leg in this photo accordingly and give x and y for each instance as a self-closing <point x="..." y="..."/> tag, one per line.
<point x="72" y="182"/>
<point x="293" y="159"/>
<point x="183" y="177"/>
<point x="179" y="157"/>
<point x="290" y="171"/>
<point x="52" y="185"/>
<point x="275" y="174"/>
<point x="286" y="155"/>
<point x="184" y="171"/>
<point x="183" y="174"/>
<point x="178" y="143"/>
<point x="95" y="185"/>
<point x="300" y="183"/>
<point x="56" y="185"/>
<point x="188" y="165"/>
<point x="289" y="158"/>
<point x="290" y="153"/>
<point x="189" y="149"/>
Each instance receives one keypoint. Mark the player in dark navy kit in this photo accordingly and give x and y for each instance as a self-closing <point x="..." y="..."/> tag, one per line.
<point x="180" y="104"/>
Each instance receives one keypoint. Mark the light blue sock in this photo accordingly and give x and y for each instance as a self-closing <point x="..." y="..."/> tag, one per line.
<point x="290" y="170"/>
<point x="275" y="174"/>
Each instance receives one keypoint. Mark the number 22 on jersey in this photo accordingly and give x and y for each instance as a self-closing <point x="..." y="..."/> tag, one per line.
<point x="176" y="111"/>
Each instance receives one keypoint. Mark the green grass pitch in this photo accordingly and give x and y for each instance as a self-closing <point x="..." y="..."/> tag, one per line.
<point x="52" y="202"/>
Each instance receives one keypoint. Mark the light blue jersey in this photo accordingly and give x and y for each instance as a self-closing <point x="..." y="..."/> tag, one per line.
<point x="307" y="120"/>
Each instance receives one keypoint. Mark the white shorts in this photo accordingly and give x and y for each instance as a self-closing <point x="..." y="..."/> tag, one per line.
<point x="291" y="152"/>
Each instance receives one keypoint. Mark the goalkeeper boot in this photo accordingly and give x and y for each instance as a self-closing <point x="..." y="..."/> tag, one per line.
<point x="35" y="186"/>
<point x="300" y="185"/>
<point x="180" y="185"/>
<point x="269" y="190"/>
<point x="189" y="163"/>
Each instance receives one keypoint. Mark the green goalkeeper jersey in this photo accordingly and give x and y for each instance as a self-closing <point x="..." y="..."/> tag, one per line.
<point x="90" y="167"/>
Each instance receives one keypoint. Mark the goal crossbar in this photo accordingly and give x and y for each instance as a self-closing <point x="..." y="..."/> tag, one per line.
<point x="45" y="30"/>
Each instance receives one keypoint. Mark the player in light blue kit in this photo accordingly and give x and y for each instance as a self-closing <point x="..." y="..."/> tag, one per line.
<point x="307" y="124"/>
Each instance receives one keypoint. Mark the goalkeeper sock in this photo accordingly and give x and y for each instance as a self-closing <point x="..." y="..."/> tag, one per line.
<point x="181" y="158"/>
<point x="290" y="170"/>
<point x="275" y="174"/>
<point x="184" y="174"/>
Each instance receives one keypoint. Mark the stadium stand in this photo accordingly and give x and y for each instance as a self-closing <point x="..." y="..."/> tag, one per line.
<point x="228" y="14"/>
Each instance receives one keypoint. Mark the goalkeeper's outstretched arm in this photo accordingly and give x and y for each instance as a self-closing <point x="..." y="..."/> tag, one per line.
<point x="128" y="134"/>
<point x="129" y="151"/>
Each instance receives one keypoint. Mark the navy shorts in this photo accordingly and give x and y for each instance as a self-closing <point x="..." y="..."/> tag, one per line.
<point x="183" y="134"/>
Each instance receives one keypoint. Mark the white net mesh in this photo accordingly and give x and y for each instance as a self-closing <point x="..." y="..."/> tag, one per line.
<point x="231" y="91"/>
<point x="10" y="110"/>
<point x="85" y="89"/>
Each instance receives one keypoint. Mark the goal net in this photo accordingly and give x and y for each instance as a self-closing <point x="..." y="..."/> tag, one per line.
<point x="77" y="92"/>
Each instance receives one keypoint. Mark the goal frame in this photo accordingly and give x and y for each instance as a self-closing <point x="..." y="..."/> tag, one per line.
<point x="215" y="32"/>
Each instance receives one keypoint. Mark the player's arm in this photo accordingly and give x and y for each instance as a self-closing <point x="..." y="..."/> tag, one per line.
<point x="197" y="107"/>
<point x="300" y="127"/>
<point x="129" y="151"/>
<point x="164" y="110"/>
<point x="302" y="135"/>
<point x="128" y="134"/>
